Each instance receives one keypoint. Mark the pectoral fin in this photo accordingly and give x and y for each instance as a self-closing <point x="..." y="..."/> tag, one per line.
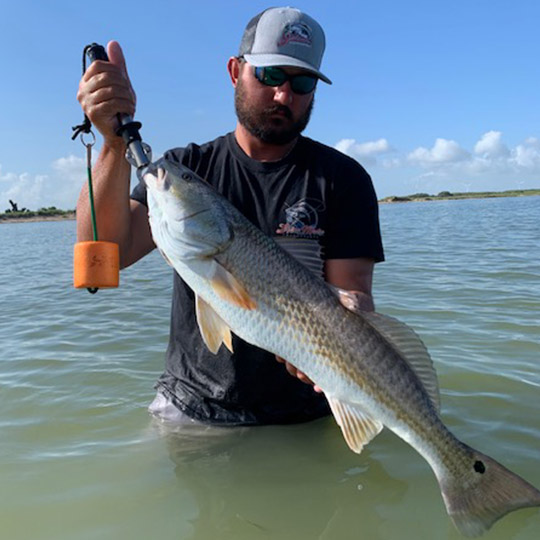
<point x="227" y="287"/>
<point x="213" y="329"/>
<point x="357" y="427"/>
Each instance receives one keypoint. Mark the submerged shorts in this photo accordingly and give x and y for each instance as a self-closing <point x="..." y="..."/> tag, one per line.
<point x="164" y="409"/>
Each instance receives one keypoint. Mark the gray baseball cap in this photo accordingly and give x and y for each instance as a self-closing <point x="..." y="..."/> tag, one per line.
<point x="284" y="36"/>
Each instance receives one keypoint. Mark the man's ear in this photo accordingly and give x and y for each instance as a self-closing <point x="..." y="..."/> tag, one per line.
<point x="233" y="67"/>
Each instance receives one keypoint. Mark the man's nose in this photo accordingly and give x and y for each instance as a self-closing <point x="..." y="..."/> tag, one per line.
<point x="284" y="94"/>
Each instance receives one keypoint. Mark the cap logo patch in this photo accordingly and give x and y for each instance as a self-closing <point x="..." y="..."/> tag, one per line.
<point x="296" y="33"/>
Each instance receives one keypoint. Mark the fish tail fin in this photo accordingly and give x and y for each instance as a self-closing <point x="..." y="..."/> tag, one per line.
<point x="483" y="492"/>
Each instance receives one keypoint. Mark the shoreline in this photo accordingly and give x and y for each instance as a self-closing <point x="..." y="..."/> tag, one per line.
<point x="20" y="219"/>
<point x="447" y="196"/>
<point x="392" y="199"/>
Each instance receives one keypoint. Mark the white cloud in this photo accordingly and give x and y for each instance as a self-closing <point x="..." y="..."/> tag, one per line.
<point x="443" y="152"/>
<point x="527" y="155"/>
<point x="489" y="165"/>
<point x="59" y="188"/>
<point x="23" y="189"/>
<point x="365" y="152"/>
<point x="71" y="167"/>
<point x="490" y="145"/>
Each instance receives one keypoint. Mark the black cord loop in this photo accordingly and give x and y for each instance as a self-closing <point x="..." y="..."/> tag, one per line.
<point x="86" y="125"/>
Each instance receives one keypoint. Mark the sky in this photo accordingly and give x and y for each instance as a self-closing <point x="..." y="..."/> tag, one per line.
<point x="429" y="96"/>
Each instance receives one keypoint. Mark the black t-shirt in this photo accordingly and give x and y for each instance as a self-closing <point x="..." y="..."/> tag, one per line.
<point x="316" y="202"/>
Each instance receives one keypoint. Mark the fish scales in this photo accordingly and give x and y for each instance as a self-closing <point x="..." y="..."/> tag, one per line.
<point x="312" y="311"/>
<point x="374" y="370"/>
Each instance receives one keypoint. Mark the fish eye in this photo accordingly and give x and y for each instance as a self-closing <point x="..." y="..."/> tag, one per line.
<point x="479" y="467"/>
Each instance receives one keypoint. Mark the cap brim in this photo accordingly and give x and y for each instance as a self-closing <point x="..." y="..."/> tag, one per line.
<point x="271" y="60"/>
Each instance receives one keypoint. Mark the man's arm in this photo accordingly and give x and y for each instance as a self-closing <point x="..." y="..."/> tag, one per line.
<point x="355" y="276"/>
<point x="104" y="91"/>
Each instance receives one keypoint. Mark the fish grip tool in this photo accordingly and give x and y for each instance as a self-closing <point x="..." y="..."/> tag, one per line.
<point x="139" y="154"/>
<point x="96" y="264"/>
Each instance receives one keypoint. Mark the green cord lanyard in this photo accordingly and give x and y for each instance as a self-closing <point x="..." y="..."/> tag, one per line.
<point x="89" y="146"/>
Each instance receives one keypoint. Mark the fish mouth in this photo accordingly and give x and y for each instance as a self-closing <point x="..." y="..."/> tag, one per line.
<point x="158" y="180"/>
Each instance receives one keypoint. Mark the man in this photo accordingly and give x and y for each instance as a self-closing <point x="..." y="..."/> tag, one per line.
<point x="316" y="202"/>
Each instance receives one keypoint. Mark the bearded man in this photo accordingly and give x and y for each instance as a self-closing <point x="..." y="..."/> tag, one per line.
<point x="317" y="203"/>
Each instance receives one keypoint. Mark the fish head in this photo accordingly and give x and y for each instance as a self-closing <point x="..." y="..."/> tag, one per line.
<point x="185" y="214"/>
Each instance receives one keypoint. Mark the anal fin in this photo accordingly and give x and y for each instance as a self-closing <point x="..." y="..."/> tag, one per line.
<point x="358" y="428"/>
<point x="213" y="329"/>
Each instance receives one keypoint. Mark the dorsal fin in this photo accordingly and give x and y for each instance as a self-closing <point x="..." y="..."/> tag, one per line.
<point x="405" y="339"/>
<point x="358" y="428"/>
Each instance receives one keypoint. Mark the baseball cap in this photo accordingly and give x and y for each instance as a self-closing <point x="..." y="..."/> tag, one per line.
<point x="284" y="36"/>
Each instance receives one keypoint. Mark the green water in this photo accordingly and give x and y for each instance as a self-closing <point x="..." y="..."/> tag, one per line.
<point x="81" y="459"/>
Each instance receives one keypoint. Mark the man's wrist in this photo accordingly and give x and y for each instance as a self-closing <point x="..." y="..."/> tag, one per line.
<point x="115" y="145"/>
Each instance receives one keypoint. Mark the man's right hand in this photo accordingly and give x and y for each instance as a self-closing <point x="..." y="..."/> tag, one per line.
<point x="104" y="91"/>
<point x="298" y="374"/>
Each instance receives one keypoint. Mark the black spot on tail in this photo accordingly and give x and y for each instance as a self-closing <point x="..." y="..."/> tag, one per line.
<point x="479" y="467"/>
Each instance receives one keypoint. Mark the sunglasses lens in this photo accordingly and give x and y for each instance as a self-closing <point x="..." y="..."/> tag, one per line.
<point x="274" y="76"/>
<point x="303" y="84"/>
<point x="271" y="76"/>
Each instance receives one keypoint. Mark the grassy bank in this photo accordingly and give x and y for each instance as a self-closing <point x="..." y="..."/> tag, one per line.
<point x="43" y="214"/>
<point x="447" y="196"/>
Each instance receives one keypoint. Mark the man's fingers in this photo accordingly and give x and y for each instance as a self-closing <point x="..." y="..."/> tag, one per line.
<point x="97" y="77"/>
<point x="100" y="66"/>
<point x="116" y="56"/>
<point x="303" y="377"/>
<point x="109" y="108"/>
<point x="298" y="374"/>
<point x="291" y="369"/>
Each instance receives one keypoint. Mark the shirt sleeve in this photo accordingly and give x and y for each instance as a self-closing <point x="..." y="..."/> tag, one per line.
<point x="353" y="228"/>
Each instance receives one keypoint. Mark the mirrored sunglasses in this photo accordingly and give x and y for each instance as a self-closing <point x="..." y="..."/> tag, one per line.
<point x="275" y="76"/>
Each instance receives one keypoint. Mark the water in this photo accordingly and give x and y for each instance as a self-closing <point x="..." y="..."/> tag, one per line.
<point x="81" y="459"/>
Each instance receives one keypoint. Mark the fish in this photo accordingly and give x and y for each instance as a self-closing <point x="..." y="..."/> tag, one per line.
<point x="373" y="369"/>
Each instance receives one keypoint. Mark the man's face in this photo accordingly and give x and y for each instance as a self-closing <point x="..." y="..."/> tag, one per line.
<point x="275" y="115"/>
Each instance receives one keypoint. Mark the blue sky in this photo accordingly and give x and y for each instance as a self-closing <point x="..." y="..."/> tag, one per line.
<point x="428" y="96"/>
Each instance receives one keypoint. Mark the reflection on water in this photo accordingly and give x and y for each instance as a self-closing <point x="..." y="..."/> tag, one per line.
<point x="81" y="458"/>
<point x="278" y="482"/>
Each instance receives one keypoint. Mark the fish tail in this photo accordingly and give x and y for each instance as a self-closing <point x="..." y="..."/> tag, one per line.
<point x="481" y="491"/>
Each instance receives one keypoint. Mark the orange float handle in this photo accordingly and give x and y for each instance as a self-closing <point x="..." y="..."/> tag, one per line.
<point x="96" y="265"/>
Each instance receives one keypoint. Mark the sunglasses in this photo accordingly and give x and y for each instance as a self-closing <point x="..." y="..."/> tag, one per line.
<point x="274" y="76"/>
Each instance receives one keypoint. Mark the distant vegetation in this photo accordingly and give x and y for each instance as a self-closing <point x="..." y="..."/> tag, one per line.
<point x="23" y="213"/>
<point x="447" y="195"/>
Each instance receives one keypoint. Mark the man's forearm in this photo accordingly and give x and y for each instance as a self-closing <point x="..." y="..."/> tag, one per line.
<point x="110" y="182"/>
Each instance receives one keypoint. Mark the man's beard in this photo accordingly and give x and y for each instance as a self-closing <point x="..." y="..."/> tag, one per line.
<point x="263" y="125"/>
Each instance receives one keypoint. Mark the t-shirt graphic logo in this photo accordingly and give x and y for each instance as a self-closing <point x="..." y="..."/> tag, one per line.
<point x="302" y="219"/>
<point x="296" y="33"/>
